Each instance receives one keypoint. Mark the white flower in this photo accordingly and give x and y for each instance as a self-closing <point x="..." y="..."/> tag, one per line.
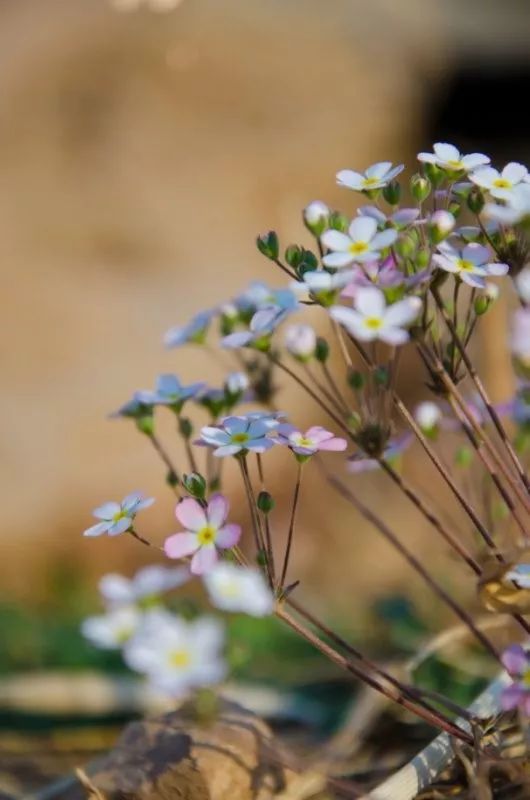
<point x="372" y="319"/>
<point x="472" y="264"/>
<point x="361" y="243"/>
<point x="375" y="177"/>
<point x="177" y="655"/>
<point x="516" y="209"/>
<point x="520" y="337"/>
<point x="522" y="284"/>
<point x="112" y="630"/>
<point x="323" y="285"/>
<point x="118" y="517"/>
<point x="501" y="184"/>
<point x="427" y="415"/>
<point x="301" y="341"/>
<point x="440" y="224"/>
<point x="149" y="582"/>
<point x="446" y="156"/>
<point x="240" y="589"/>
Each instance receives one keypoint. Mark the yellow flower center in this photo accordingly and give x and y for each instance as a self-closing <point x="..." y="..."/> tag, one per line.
<point x="180" y="659"/>
<point x="502" y="183"/>
<point x="305" y="442"/>
<point x="373" y="323"/>
<point x="465" y="266"/>
<point x="525" y="680"/>
<point x="206" y="535"/>
<point x="240" y="438"/>
<point x="369" y="183"/>
<point x="121" y="514"/>
<point x="455" y="164"/>
<point x="124" y="634"/>
<point x="358" y="247"/>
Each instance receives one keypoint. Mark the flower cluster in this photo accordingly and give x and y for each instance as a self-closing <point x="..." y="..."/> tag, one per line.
<point x="420" y="277"/>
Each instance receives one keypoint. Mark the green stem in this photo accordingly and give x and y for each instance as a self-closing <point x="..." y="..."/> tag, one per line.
<point x="290" y="534"/>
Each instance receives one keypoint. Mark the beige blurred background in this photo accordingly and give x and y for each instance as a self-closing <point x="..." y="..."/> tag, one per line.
<point x="140" y="154"/>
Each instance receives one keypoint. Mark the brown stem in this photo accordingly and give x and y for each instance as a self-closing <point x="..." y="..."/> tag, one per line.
<point x="433" y="719"/>
<point x="411" y="559"/>
<point x="482" y="392"/>
<point x="290" y="534"/>
<point x="155" y="441"/>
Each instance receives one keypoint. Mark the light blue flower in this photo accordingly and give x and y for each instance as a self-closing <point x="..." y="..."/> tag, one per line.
<point x="194" y="331"/>
<point x="259" y="295"/>
<point x="118" y="517"/>
<point x="171" y="392"/>
<point x="238" y="434"/>
<point x="262" y="326"/>
<point x="140" y="405"/>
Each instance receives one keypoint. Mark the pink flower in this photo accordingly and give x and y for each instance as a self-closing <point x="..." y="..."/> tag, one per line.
<point x="205" y="533"/>
<point x="310" y="442"/>
<point x="516" y="661"/>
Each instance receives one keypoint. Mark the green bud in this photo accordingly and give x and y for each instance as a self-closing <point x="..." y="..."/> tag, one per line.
<point x="316" y="217"/>
<point x="185" y="427"/>
<point x="420" y="188"/>
<point x="321" y="350"/>
<point x="434" y="174"/>
<point x="146" y="424"/>
<point x="392" y="193"/>
<point x="294" y="255"/>
<point x="356" y="380"/>
<point x="172" y="479"/>
<point x="338" y="222"/>
<point x="405" y="246"/>
<point x="455" y="209"/>
<point x="475" y="200"/>
<point x="261" y="558"/>
<point x="268" y="245"/>
<point x="423" y="258"/>
<point x="195" y="484"/>
<point x="265" y="502"/>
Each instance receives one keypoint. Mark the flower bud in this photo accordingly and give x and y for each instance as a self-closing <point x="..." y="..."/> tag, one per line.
<point x="475" y="200"/>
<point x="420" y="188"/>
<point x="236" y="383"/>
<point x="338" y="222"/>
<point x="268" y="245"/>
<point x="484" y="301"/>
<point x="316" y="217"/>
<point x="321" y="350"/>
<point x="423" y="258"/>
<point x="428" y="416"/>
<point x="265" y="502"/>
<point x="356" y="380"/>
<point x="301" y="341"/>
<point x="146" y="424"/>
<point x="392" y="193"/>
<point x="434" y="174"/>
<point x="195" y="484"/>
<point x="294" y="255"/>
<point x="185" y="427"/>
<point x="405" y="246"/>
<point x="440" y="225"/>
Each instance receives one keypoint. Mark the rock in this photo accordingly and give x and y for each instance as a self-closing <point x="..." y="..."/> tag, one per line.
<point x="173" y="757"/>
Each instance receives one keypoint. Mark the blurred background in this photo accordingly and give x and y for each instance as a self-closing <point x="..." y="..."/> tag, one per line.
<point x="140" y="155"/>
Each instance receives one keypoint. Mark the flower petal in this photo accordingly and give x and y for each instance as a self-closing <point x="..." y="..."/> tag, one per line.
<point x="337" y="259"/>
<point x="350" y="179"/>
<point x="378" y="170"/>
<point x="227" y="450"/>
<point x="403" y="312"/>
<point x="191" y="514"/>
<point x="122" y="525"/>
<point x="370" y="302"/>
<point x="217" y="510"/>
<point x="362" y="229"/>
<point x="514" y="172"/>
<point x="384" y="239"/>
<point x="204" y="560"/>
<point x="180" y="545"/>
<point x="228" y="536"/>
<point x="446" y="152"/>
<point x="515" y="660"/>
<point x="394" y="336"/>
<point x="107" y="510"/>
<point x="97" y="530"/>
<point x="336" y="240"/>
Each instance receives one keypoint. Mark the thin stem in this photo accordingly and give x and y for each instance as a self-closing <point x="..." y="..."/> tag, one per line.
<point x="290" y="534"/>
<point x="466" y="505"/>
<point x="172" y="472"/>
<point x="256" y="527"/>
<point x="141" y="539"/>
<point x="331" y="380"/>
<point x="433" y="719"/>
<point x="325" y="391"/>
<point x="383" y="528"/>
<point x="189" y="450"/>
<point x="482" y="392"/>
<point x="412" y="691"/>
